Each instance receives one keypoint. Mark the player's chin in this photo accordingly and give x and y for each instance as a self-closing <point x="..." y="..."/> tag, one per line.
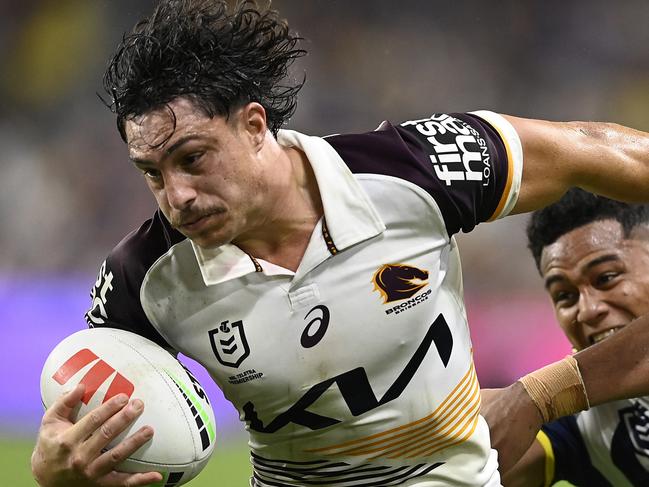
<point x="210" y="239"/>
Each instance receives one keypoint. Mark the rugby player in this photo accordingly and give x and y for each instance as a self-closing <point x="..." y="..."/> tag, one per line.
<point x="593" y="254"/>
<point x="317" y="279"/>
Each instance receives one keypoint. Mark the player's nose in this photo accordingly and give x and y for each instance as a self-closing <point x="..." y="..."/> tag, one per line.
<point x="592" y="309"/>
<point x="180" y="192"/>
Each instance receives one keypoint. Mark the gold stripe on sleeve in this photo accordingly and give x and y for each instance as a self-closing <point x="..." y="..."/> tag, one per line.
<point x="510" y="175"/>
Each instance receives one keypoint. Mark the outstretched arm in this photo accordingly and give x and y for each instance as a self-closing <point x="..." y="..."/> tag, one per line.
<point x="529" y="471"/>
<point x="616" y="368"/>
<point x="602" y="158"/>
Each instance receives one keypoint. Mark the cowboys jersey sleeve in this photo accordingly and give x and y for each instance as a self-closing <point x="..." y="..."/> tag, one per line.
<point x="606" y="446"/>
<point x="356" y="368"/>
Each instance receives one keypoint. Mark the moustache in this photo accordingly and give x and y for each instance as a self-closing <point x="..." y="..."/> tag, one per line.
<point x="191" y="217"/>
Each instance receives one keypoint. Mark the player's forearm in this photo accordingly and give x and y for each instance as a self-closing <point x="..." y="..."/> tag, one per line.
<point x="604" y="158"/>
<point x="618" y="367"/>
<point x="614" y="161"/>
<point x="529" y="471"/>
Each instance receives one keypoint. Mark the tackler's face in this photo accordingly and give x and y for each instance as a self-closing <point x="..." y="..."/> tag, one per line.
<point x="597" y="279"/>
<point x="202" y="171"/>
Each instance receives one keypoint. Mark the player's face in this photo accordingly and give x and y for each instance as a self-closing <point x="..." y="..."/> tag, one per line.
<point x="205" y="172"/>
<point x="597" y="279"/>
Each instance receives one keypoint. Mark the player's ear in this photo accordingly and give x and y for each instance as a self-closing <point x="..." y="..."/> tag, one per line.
<point x="253" y="117"/>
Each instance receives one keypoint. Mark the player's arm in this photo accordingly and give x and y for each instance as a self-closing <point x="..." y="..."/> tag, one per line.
<point x="615" y="368"/>
<point x="618" y="367"/>
<point x="602" y="158"/>
<point x="530" y="470"/>
<point x="70" y="455"/>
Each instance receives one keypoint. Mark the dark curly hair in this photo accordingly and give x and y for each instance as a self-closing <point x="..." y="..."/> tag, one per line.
<point x="199" y="49"/>
<point x="575" y="209"/>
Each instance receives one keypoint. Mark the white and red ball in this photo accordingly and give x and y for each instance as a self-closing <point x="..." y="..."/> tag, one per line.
<point x="109" y="361"/>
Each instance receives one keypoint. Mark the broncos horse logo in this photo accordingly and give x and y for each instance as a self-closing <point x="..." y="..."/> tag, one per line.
<point x="398" y="281"/>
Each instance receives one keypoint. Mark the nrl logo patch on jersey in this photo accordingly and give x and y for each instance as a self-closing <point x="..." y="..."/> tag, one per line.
<point x="396" y="282"/>
<point x="229" y="343"/>
<point x="636" y="420"/>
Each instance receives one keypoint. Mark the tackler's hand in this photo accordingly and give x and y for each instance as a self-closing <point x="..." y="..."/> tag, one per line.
<point x="513" y="421"/>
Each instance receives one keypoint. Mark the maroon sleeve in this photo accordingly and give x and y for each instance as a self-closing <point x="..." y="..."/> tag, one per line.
<point x="459" y="159"/>
<point x="116" y="293"/>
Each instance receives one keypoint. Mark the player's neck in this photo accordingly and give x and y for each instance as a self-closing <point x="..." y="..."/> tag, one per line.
<point x="284" y="236"/>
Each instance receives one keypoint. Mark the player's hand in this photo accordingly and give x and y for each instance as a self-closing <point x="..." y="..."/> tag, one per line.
<point x="70" y="454"/>
<point x="513" y="421"/>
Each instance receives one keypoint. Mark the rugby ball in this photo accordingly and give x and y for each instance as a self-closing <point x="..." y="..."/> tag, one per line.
<point x="110" y="361"/>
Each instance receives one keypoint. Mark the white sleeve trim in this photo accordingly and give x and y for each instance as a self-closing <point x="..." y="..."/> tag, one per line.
<point x="514" y="151"/>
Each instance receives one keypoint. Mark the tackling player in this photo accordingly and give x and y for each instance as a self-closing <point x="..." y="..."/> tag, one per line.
<point x="593" y="254"/>
<point x="317" y="279"/>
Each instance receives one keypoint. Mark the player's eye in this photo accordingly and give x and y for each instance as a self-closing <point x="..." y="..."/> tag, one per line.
<point x="192" y="158"/>
<point x="152" y="175"/>
<point x="563" y="298"/>
<point x="606" y="278"/>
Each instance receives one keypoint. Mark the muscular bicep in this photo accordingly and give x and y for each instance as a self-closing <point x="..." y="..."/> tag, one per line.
<point x="603" y="158"/>
<point x="529" y="471"/>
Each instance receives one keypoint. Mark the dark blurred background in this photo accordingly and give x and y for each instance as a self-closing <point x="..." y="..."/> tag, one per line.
<point x="68" y="193"/>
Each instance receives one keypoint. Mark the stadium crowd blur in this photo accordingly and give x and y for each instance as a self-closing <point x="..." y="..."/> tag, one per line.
<point x="68" y="192"/>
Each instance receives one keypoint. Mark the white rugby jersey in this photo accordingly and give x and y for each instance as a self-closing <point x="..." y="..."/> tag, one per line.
<point x="606" y="446"/>
<point x="357" y="369"/>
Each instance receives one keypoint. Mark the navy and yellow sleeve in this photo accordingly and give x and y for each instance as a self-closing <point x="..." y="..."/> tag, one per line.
<point x="566" y="455"/>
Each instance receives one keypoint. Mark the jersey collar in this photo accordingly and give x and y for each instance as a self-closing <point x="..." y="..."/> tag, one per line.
<point x="349" y="218"/>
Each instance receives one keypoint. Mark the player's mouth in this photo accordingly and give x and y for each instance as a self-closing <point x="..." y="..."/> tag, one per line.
<point x="598" y="337"/>
<point x="196" y="224"/>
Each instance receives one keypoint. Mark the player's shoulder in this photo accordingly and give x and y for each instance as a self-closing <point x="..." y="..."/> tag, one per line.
<point x="457" y="147"/>
<point x="115" y="295"/>
<point x="363" y="151"/>
<point x="144" y="245"/>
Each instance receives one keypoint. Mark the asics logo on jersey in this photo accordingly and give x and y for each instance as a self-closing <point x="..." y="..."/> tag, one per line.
<point x="398" y="281"/>
<point x="95" y="377"/>
<point x="355" y="387"/>
<point x="317" y="327"/>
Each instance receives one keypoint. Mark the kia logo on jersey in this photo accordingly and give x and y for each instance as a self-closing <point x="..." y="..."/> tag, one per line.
<point x="229" y="343"/>
<point x="398" y="281"/>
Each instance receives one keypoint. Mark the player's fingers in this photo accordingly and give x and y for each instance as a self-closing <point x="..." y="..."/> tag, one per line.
<point x="113" y="427"/>
<point x="110" y="459"/>
<point x="94" y="420"/>
<point x="120" y="479"/>
<point x="62" y="408"/>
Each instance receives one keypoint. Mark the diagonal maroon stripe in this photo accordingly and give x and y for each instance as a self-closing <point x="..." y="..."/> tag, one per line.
<point x="73" y="365"/>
